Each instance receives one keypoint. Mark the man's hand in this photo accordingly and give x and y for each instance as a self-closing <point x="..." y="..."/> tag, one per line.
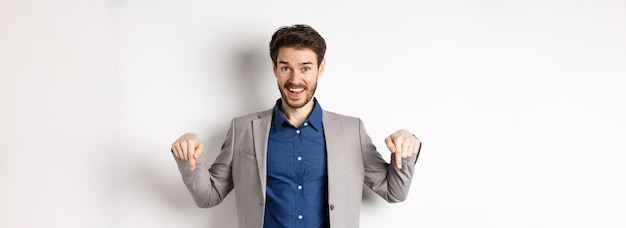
<point x="403" y="144"/>
<point x="188" y="147"/>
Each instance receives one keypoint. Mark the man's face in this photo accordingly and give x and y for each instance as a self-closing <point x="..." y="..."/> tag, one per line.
<point x="296" y="71"/>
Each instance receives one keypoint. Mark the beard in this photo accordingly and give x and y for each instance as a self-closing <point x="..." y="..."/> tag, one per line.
<point x="309" y="92"/>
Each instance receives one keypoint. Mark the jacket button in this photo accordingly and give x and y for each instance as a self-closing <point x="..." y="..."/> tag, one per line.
<point x="332" y="207"/>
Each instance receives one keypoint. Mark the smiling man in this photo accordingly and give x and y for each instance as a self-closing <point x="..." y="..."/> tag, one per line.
<point x="297" y="165"/>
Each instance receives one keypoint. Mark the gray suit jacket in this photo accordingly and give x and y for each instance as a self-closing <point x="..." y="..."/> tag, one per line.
<point x="351" y="157"/>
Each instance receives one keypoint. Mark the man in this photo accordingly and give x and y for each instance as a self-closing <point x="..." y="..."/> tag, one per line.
<point x="297" y="165"/>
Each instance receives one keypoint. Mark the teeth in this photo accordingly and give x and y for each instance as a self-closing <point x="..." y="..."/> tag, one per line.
<point x="296" y="89"/>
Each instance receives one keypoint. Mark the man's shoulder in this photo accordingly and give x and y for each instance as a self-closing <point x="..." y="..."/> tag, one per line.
<point x="338" y="116"/>
<point x="254" y="116"/>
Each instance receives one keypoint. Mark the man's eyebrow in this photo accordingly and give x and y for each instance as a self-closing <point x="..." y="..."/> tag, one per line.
<point x="301" y="64"/>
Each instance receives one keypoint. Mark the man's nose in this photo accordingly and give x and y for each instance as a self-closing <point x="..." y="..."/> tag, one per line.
<point x="295" y="75"/>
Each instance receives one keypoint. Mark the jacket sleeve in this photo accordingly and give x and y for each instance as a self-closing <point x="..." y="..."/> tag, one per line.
<point x="386" y="180"/>
<point x="209" y="187"/>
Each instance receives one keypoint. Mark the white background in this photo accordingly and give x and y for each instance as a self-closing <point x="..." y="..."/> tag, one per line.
<point x="520" y="105"/>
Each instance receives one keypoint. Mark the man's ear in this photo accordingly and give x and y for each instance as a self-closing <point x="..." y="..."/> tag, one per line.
<point x="274" y="68"/>
<point x="321" y="68"/>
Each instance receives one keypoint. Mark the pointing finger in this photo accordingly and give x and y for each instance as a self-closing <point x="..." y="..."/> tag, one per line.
<point x="192" y="164"/>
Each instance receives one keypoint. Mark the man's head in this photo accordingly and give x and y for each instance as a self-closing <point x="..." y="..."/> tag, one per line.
<point x="297" y="54"/>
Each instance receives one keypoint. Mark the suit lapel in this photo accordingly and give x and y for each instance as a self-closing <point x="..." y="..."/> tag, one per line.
<point x="332" y="135"/>
<point x="260" y="130"/>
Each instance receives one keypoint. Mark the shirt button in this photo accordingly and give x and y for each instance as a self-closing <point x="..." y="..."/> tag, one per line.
<point x="299" y="216"/>
<point x="306" y="124"/>
<point x="299" y="187"/>
<point x="299" y="158"/>
<point x="297" y="131"/>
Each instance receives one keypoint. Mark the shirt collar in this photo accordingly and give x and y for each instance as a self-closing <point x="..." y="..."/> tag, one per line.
<point x="314" y="120"/>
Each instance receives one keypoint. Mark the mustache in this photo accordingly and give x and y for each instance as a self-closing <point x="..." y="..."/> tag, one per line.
<point x="289" y="84"/>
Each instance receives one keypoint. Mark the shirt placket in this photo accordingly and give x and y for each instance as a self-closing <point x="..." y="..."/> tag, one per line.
<point x="300" y="167"/>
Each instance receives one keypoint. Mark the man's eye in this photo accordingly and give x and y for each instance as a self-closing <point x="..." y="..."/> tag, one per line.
<point x="285" y="69"/>
<point x="305" y="69"/>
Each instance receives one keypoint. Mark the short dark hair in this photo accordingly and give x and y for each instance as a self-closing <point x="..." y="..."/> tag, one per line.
<point x="297" y="36"/>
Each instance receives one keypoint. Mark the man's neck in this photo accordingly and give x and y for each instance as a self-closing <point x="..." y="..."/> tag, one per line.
<point x="297" y="116"/>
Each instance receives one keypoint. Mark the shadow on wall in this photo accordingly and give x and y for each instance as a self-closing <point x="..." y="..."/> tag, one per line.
<point x="252" y="70"/>
<point x="246" y="86"/>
